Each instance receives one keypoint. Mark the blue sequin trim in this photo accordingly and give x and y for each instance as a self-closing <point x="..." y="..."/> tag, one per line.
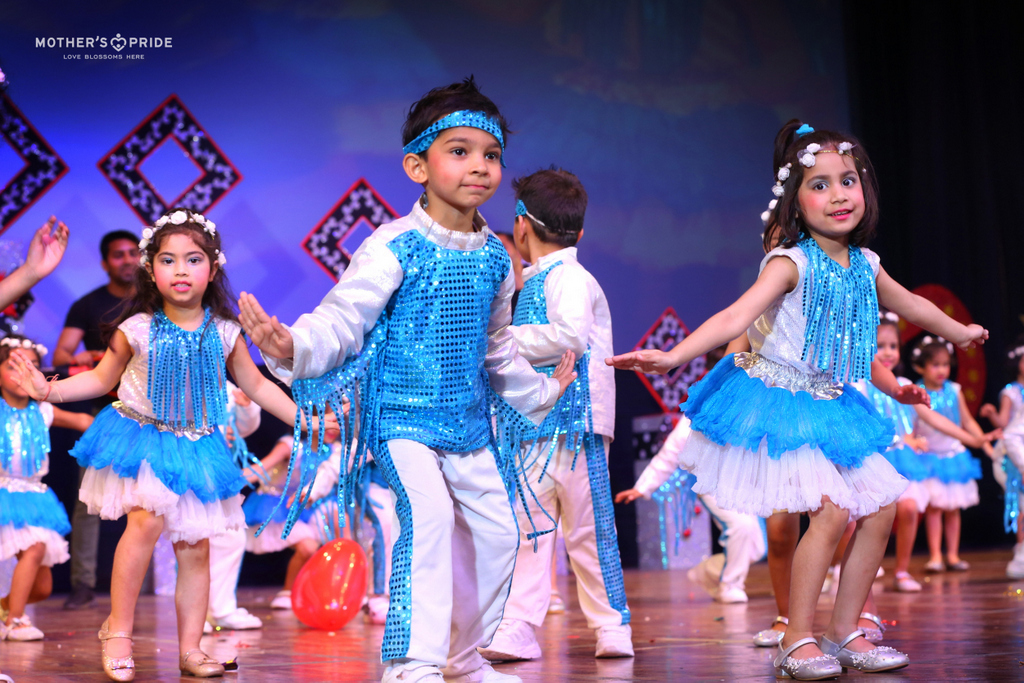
<point x="1014" y="487"/>
<point x="841" y="308"/>
<point x="945" y="401"/>
<point x="35" y="437"/>
<point x="473" y="119"/>
<point x="398" y="624"/>
<point x="676" y="501"/>
<point x="604" y="526"/>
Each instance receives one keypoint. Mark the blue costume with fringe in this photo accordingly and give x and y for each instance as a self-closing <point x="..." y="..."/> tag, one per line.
<point x="561" y="306"/>
<point x="159" y="447"/>
<point x="29" y="510"/>
<point x="952" y="470"/>
<point x="1011" y="450"/>
<point x="781" y="427"/>
<point x="419" y="324"/>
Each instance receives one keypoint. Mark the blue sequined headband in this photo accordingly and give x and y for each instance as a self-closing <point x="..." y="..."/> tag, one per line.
<point x="473" y="119"/>
<point x="521" y="211"/>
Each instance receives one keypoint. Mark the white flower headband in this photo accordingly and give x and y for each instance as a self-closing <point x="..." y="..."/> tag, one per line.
<point x="888" y="316"/>
<point x="179" y="217"/>
<point x="806" y="158"/>
<point x="24" y="344"/>
<point x="928" y="339"/>
<point x="1016" y="353"/>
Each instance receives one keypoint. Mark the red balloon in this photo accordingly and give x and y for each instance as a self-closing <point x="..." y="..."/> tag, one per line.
<point x="330" y="587"/>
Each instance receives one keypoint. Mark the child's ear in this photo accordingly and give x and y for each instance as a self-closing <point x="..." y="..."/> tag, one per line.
<point x="415" y="167"/>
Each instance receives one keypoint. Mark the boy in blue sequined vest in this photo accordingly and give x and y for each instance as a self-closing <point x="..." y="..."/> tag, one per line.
<point x="419" y="320"/>
<point x="561" y="306"/>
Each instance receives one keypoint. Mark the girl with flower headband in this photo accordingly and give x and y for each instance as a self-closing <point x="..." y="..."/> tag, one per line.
<point x="33" y="522"/>
<point x="952" y="471"/>
<point x="907" y="448"/>
<point x="157" y="455"/>
<point x="1008" y="460"/>
<point x="811" y="320"/>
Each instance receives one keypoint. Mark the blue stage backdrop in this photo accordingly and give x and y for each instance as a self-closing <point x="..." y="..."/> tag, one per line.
<point x="666" y="109"/>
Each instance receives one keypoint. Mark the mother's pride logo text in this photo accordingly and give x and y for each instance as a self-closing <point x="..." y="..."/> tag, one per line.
<point x="117" y="43"/>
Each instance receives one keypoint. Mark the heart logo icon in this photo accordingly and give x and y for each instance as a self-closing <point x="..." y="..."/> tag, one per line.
<point x="118" y="42"/>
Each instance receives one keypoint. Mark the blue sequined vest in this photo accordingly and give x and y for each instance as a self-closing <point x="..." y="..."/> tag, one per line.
<point x="902" y="416"/>
<point x="945" y="401"/>
<point x="433" y="386"/>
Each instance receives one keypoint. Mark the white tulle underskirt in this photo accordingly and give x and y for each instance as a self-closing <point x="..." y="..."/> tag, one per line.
<point x="917" y="492"/>
<point x="953" y="496"/>
<point x="752" y="482"/>
<point x="186" y="518"/>
<point x="13" y="541"/>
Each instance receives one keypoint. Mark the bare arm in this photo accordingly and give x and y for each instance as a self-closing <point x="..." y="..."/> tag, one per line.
<point x="779" y="276"/>
<point x="923" y="313"/>
<point x="44" y="253"/>
<point x="90" y="384"/>
<point x="67" y="345"/>
<point x="262" y="391"/>
<point x="885" y="381"/>
<point x="740" y="344"/>
<point x="941" y="423"/>
<point x="999" y="419"/>
<point x="69" y="420"/>
<point x="967" y="420"/>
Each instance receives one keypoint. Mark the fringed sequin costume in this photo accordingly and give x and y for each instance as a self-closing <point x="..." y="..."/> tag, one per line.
<point x="29" y="510"/>
<point x="560" y="307"/>
<point x="781" y="427"/>
<point x="159" y="446"/>
<point x="419" y="322"/>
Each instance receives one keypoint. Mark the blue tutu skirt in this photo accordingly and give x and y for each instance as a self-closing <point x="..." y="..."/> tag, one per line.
<point x="205" y="466"/>
<point x="761" y="448"/>
<point x="957" y="469"/>
<point x="908" y="463"/>
<point x="259" y="508"/>
<point x="731" y="408"/>
<point x="31" y="517"/>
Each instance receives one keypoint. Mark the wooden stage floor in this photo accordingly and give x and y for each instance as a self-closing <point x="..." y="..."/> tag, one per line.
<point x="963" y="627"/>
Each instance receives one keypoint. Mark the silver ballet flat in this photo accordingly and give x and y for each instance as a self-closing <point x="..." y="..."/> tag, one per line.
<point x="770" y="637"/>
<point x="882" y="658"/>
<point x="811" y="669"/>
<point x="873" y="635"/>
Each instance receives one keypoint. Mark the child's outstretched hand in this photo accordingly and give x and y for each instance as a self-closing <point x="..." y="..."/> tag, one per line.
<point x="564" y="372"/>
<point x="912" y="394"/>
<point x="269" y="335"/>
<point x="988" y="411"/>
<point x="47" y="248"/>
<point x="28" y="375"/>
<point x="627" y="496"/>
<point x="651" y="361"/>
<point x="976" y="335"/>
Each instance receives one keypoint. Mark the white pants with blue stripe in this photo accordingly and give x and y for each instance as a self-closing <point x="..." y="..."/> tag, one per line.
<point x="455" y="544"/>
<point x="566" y="495"/>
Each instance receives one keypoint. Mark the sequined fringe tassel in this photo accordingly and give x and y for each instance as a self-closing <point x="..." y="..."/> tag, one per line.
<point x="1011" y="511"/>
<point x="35" y="437"/>
<point x="676" y="499"/>
<point x="841" y="307"/>
<point x="187" y="384"/>
<point x="313" y="397"/>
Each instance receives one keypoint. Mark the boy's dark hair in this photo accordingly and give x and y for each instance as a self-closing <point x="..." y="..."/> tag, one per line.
<point x="786" y="212"/>
<point x="556" y="198"/>
<point x="218" y="296"/>
<point x="440" y="102"/>
<point x="114" y="236"/>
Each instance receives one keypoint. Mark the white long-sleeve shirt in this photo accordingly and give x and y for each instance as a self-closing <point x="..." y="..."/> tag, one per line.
<point x="666" y="462"/>
<point x="335" y="329"/>
<point x="578" y="317"/>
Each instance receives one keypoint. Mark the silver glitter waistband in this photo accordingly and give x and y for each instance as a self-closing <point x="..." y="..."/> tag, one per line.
<point x="191" y="432"/>
<point x="773" y="374"/>
<point x="19" y="485"/>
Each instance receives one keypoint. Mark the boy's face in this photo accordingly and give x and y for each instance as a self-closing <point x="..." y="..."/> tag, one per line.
<point x="463" y="167"/>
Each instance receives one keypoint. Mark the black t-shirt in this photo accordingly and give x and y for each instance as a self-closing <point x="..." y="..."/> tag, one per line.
<point x="90" y="312"/>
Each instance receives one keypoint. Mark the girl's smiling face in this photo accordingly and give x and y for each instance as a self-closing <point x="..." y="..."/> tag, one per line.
<point x="182" y="271"/>
<point x="831" y="198"/>
<point x="888" y="346"/>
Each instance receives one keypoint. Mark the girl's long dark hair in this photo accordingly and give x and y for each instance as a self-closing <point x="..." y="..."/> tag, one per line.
<point x="786" y="213"/>
<point x="218" y="297"/>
